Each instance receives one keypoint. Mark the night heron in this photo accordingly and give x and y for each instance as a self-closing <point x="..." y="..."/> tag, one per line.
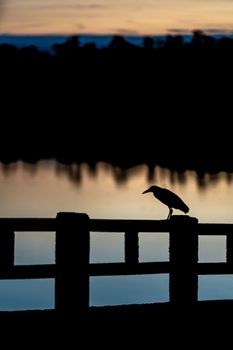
<point x="168" y="198"/>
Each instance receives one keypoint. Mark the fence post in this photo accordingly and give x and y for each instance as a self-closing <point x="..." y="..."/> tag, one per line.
<point x="183" y="258"/>
<point x="7" y="241"/>
<point x="229" y="252"/>
<point x="131" y="247"/>
<point x="72" y="263"/>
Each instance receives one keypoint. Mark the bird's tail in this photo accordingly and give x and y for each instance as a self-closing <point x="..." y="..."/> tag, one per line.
<point x="185" y="208"/>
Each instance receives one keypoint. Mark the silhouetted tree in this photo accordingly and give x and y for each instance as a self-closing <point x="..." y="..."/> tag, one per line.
<point x="29" y="54"/>
<point x="174" y="42"/>
<point x="72" y="42"/>
<point x="198" y="38"/>
<point x="8" y="53"/>
<point x="90" y="46"/>
<point x="119" y="42"/>
<point x="68" y="48"/>
<point x="120" y="82"/>
<point x="148" y="42"/>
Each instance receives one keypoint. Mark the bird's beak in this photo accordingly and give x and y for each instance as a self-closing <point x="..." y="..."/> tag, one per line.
<point x="146" y="191"/>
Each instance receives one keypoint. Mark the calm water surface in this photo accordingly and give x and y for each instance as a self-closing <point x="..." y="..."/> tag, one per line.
<point x="47" y="187"/>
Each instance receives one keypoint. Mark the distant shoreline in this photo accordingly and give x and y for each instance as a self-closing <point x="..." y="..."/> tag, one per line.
<point x="45" y="42"/>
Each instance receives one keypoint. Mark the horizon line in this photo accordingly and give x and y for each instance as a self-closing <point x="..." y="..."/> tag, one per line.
<point x="87" y="34"/>
<point x="174" y="32"/>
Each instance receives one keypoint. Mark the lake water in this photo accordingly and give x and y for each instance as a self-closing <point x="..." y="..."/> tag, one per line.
<point x="103" y="191"/>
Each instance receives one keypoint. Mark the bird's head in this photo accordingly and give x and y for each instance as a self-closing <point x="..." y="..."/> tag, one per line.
<point x="150" y="189"/>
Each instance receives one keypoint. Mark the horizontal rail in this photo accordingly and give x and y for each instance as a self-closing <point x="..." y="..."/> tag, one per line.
<point x="29" y="272"/>
<point x="132" y="225"/>
<point x="214" y="269"/>
<point x="214" y="229"/>
<point x="114" y="269"/>
<point x="72" y="242"/>
<point x="136" y="226"/>
<point x="102" y="225"/>
<point x="29" y="224"/>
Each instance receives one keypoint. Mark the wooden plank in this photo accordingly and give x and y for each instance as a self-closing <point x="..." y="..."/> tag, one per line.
<point x="215" y="229"/>
<point x="214" y="269"/>
<point x="183" y="256"/>
<point x="72" y="261"/>
<point x="28" y="224"/>
<point x="131" y="247"/>
<point x="115" y="269"/>
<point x="155" y="267"/>
<point x="102" y="225"/>
<point x="229" y="252"/>
<point x="49" y="270"/>
<point x="7" y="243"/>
<point x="29" y="272"/>
<point x="108" y="225"/>
<point x="129" y="225"/>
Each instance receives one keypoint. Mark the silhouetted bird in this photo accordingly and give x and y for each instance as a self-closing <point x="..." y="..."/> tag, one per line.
<point x="169" y="198"/>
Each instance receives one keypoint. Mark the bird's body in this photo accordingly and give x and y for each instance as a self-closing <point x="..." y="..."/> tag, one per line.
<point x="168" y="198"/>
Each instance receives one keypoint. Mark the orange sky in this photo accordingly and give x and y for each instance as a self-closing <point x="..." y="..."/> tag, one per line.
<point x="115" y="16"/>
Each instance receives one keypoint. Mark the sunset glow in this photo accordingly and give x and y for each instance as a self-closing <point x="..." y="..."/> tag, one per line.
<point x="48" y="188"/>
<point x="110" y="16"/>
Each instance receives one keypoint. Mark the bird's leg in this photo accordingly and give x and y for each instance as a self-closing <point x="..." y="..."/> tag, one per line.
<point x="170" y="213"/>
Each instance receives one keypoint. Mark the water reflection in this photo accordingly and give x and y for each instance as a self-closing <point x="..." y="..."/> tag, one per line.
<point x="32" y="294"/>
<point x="34" y="248"/>
<point x="205" y="180"/>
<point x="116" y="290"/>
<point x="215" y="287"/>
<point x="76" y="172"/>
<point x="105" y="191"/>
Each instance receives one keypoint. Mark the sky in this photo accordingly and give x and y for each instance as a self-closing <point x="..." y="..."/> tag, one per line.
<point x="127" y="17"/>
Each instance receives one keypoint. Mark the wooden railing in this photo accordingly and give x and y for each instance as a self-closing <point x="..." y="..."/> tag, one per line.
<point x="72" y="268"/>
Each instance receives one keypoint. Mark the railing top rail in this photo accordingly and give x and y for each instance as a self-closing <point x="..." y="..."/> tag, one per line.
<point x="215" y="229"/>
<point x="28" y="224"/>
<point x="156" y="226"/>
<point x="115" y="225"/>
<point x="110" y="225"/>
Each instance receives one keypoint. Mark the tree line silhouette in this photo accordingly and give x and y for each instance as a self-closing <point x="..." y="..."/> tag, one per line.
<point x="167" y="104"/>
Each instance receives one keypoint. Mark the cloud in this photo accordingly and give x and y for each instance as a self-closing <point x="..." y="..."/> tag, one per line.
<point x="1" y="8"/>
<point x="124" y="31"/>
<point x="63" y="6"/>
<point x="219" y="31"/>
<point x="210" y="31"/>
<point x="80" y="26"/>
<point x="178" y="31"/>
<point x="93" y="6"/>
